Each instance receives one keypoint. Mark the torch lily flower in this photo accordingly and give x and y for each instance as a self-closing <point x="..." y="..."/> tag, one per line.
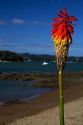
<point x="63" y="28"/>
<point x="61" y="35"/>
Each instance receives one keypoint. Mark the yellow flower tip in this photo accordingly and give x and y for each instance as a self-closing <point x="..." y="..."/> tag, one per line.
<point x="70" y="41"/>
<point x="59" y="41"/>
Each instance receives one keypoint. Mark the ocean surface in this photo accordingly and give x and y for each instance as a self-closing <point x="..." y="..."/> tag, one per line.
<point x="37" y="66"/>
<point x="11" y="90"/>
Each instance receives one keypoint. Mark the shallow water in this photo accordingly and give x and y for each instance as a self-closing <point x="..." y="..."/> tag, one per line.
<point x="19" y="90"/>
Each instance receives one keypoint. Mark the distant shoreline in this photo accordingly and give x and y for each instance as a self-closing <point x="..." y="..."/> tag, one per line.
<point x="7" y="55"/>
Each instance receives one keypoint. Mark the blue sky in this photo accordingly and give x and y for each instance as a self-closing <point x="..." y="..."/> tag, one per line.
<point x="25" y="25"/>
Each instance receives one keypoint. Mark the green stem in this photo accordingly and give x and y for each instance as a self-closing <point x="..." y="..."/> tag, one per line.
<point x="61" y="105"/>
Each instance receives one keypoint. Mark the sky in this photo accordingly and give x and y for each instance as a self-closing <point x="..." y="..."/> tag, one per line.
<point x="25" y="25"/>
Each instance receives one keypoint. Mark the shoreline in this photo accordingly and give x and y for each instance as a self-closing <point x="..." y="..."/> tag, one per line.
<point x="73" y="115"/>
<point x="45" y="80"/>
<point x="11" y="112"/>
<point x="26" y="76"/>
<point x="73" y="90"/>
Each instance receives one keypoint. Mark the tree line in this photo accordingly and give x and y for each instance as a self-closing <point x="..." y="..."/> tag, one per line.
<point x="13" y="56"/>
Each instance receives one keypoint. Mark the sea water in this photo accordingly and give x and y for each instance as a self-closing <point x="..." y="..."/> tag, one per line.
<point x="11" y="90"/>
<point x="36" y="66"/>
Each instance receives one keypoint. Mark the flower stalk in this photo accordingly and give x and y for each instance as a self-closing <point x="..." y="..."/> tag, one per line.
<point x="61" y="35"/>
<point x="61" y="99"/>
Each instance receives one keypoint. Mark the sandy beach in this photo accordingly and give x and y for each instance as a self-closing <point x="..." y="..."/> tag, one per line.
<point x="73" y="115"/>
<point x="44" y="109"/>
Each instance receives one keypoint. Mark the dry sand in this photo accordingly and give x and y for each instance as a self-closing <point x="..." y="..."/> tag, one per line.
<point x="73" y="115"/>
<point x="44" y="109"/>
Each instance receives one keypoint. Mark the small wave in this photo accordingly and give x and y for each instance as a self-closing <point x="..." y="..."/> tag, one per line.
<point x="29" y="98"/>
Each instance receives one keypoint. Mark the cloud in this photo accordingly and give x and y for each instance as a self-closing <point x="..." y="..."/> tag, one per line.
<point x="35" y="22"/>
<point x="23" y="21"/>
<point x="17" y="21"/>
<point x="5" y="43"/>
<point x="37" y="45"/>
<point x="2" y="22"/>
<point x="76" y="51"/>
<point x="2" y="41"/>
<point x="29" y="46"/>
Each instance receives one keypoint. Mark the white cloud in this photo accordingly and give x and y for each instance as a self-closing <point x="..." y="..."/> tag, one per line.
<point x="17" y="21"/>
<point x="22" y="21"/>
<point x="6" y="43"/>
<point x="2" y="22"/>
<point x="37" y="22"/>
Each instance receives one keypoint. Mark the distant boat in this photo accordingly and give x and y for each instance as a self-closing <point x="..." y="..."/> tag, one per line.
<point x="29" y="60"/>
<point x="44" y="63"/>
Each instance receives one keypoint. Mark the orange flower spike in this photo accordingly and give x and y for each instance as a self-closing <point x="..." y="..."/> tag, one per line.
<point x="61" y="35"/>
<point x="63" y="28"/>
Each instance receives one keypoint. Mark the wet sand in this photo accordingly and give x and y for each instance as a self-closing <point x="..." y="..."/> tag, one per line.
<point x="45" y="103"/>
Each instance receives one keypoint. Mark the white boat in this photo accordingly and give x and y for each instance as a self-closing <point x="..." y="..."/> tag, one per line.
<point x="44" y="63"/>
<point x="29" y="60"/>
